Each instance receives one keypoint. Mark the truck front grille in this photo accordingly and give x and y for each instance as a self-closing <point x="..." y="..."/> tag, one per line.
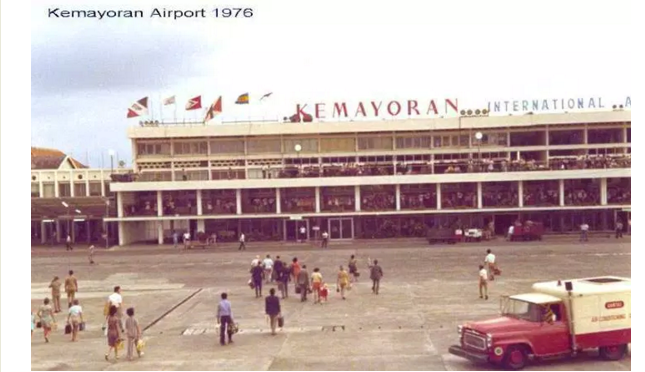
<point x="474" y="341"/>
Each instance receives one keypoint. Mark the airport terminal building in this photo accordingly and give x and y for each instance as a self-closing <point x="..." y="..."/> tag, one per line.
<point x="375" y="179"/>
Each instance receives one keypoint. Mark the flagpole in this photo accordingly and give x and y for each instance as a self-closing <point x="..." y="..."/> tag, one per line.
<point x="160" y="108"/>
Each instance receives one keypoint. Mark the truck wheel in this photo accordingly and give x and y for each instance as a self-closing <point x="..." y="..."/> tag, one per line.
<point x="515" y="358"/>
<point x="615" y="352"/>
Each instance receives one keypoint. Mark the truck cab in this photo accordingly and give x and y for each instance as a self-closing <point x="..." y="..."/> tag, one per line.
<point x="540" y="325"/>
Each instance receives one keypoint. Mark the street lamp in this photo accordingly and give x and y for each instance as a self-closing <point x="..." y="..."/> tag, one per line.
<point x="112" y="153"/>
<point x="478" y="137"/>
<point x="68" y="218"/>
<point x="298" y="148"/>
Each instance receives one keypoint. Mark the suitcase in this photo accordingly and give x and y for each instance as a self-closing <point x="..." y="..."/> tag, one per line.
<point x="281" y="322"/>
<point x="68" y="328"/>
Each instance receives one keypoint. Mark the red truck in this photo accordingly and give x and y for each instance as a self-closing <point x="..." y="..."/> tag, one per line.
<point x="560" y="318"/>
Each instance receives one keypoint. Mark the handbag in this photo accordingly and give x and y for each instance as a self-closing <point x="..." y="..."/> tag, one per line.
<point x="280" y="321"/>
<point x="140" y="345"/>
<point x="81" y="326"/>
<point x="233" y="328"/>
<point x="39" y="324"/>
<point x="497" y="271"/>
<point x="251" y="284"/>
<point x="119" y="344"/>
<point x="68" y="328"/>
<point x="298" y="290"/>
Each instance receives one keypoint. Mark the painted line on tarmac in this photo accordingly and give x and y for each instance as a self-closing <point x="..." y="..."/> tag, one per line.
<point x="171" y="310"/>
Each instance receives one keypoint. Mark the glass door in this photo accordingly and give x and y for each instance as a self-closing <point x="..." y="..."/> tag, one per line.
<point x="335" y="228"/>
<point x="347" y="228"/>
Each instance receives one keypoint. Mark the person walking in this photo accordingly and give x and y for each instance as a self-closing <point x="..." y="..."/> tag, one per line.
<point x="272" y="309"/>
<point x="71" y="287"/>
<point x="483" y="282"/>
<point x="376" y="273"/>
<point x="242" y="242"/>
<point x="316" y="283"/>
<point x="116" y="300"/>
<point x="284" y="275"/>
<point x="489" y="262"/>
<point x="68" y="243"/>
<point x="619" y="229"/>
<point x="113" y="332"/>
<point x="268" y="269"/>
<point x="294" y="272"/>
<point x="256" y="276"/>
<point x="303" y="234"/>
<point x="46" y="318"/>
<point x="584" y="232"/>
<point x="278" y="266"/>
<point x="325" y="239"/>
<point x="342" y="282"/>
<point x="224" y="320"/>
<point x="33" y="323"/>
<point x="75" y="318"/>
<point x="55" y="286"/>
<point x="132" y="332"/>
<point x="353" y="268"/>
<point x="91" y="254"/>
<point x="175" y="239"/>
<point x="186" y="240"/>
<point x="302" y="282"/>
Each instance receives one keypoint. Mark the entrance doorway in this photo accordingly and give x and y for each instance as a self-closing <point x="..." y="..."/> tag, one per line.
<point x="341" y="228"/>
<point x="503" y="222"/>
<point x="292" y="230"/>
<point x="624" y="216"/>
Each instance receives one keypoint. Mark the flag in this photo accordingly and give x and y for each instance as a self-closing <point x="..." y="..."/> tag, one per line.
<point x="139" y="108"/>
<point x="215" y="109"/>
<point x="266" y="96"/>
<point x="169" y="101"/>
<point x="194" y="103"/>
<point x="243" y="99"/>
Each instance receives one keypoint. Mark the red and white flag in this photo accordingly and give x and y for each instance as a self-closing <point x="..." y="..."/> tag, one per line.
<point x="216" y="108"/>
<point x="169" y="101"/>
<point x="139" y="108"/>
<point x="194" y="103"/>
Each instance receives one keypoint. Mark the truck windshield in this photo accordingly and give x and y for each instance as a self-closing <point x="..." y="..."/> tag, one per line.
<point x="522" y="310"/>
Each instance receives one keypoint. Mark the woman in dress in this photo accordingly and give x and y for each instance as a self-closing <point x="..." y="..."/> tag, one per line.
<point x="342" y="281"/>
<point x="46" y="317"/>
<point x="55" y="286"/>
<point x="113" y="332"/>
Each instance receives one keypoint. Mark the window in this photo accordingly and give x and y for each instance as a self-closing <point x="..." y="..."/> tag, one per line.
<point x="263" y="146"/>
<point x="422" y="142"/>
<point x="227" y="147"/>
<point x="95" y="189"/>
<point x="64" y="189"/>
<point x="48" y="190"/>
<point x="190" y="148"/>
<point x="307" y="144"/>
<point x="150" y="149"/>
<point x="35" y="190"/>
<point x="451" y="140"/>
<point x="375" y="143"/>
<point x="80" y="189"/>
<point x="337" y="145"/>
<point x="495" y="139"/>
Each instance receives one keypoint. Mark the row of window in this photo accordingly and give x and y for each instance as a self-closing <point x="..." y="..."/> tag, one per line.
<point x="349" y="144"/>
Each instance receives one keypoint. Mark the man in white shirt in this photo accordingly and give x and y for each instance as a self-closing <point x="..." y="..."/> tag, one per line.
<point x="186" y="240"/>
<point x="511" y="230"/>
<point x="303" y="234"/>
<point x="325" y="239"/>
<point x="584" y="230"/>
<point x="115" y="299"/>
<point x="268" y="268"/>
<point x="489" y="261"/>
<point x="483" y="282"/>
<point x="242" y="242"/>
<point x="255" y="262"/>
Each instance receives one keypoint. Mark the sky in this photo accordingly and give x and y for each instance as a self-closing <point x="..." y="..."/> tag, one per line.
<point x="86" y="73"/>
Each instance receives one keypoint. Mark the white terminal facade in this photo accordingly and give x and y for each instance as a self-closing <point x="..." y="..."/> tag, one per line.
<point x="376" y="179"/>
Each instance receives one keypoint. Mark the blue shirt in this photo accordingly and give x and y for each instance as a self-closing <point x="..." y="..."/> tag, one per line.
<point x="224" y="309"/>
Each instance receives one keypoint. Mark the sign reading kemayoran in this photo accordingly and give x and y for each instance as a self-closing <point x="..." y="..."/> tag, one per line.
<point x="380" y="109"/>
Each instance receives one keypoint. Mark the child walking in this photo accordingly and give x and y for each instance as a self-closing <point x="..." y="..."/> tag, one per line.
<point x="133" y="333"/>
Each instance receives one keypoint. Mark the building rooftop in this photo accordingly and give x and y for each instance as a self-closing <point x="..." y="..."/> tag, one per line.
<point x="50" y="159"/>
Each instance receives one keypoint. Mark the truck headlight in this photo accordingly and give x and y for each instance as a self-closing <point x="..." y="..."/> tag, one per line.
<point x="489" y="340"/>
<point x="460" y="330"/>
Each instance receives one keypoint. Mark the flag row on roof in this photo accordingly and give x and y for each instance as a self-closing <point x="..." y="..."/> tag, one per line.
<point x="141" y="107"/>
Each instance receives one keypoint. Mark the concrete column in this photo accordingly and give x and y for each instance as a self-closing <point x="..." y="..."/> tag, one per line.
<point x="520" y="193"/>
<point x="278" y="200"/>
<point x="625" y="135"/>
<point x="58" y="232"/>
<point x="159" y="204"/>
<point x="317" y="199"/>
<point x="43" y="231"/>
<point x="71" y="184"/>
<point x="603" y="191"/>
<point x="585" y="135"/>
<point x="102" y="184"/>
<point x="88" y="226"/>
<point x="121" y="227"/>
<point x="480" y="203"/>
<point x="357" y="198"/>
<point x="41" y="187"/>
<point x="561" y="192"/>
<point x="56" y="192"/>
<point x="238" y="200"/>
<point x="398" y="197"/>
<point x="201" y="225"/>
<point x="87" y="183"/>
<point x="438" y="196"/>
<point x="119" y="207"/>
<point x="160" y="232"/>
<point x="199" y="203"/>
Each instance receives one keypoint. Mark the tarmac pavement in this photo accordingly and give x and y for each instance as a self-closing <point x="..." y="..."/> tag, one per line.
<point x="425" y="293"/>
